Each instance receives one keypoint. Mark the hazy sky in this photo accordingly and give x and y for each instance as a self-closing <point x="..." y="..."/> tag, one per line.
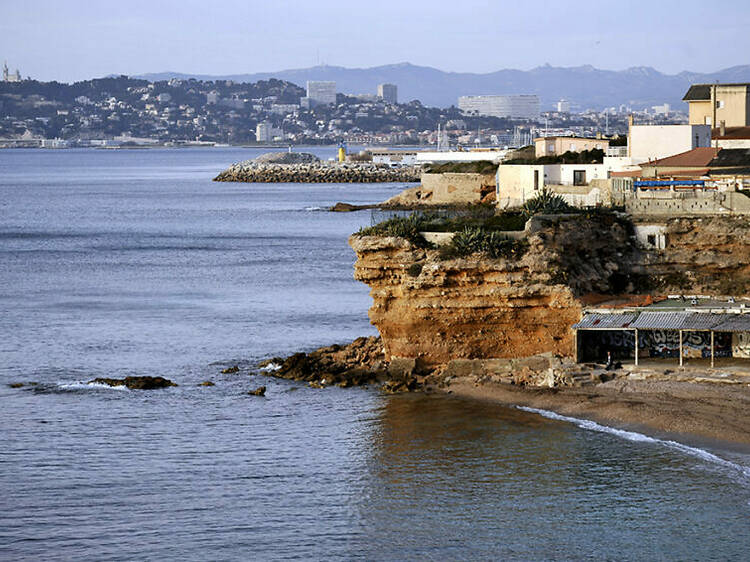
<point x="73" y="40"/>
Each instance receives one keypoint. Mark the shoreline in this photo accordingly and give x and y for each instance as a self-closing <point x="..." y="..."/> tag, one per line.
<point x="684" y="411"/>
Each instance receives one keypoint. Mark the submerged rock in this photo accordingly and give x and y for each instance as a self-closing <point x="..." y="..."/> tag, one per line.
<point x="136" y="383"/>
<point x="16" y="385"/>
<point x="230" y="370"/>
<point x="260" y="391"/>
<point x="206" y="383"/>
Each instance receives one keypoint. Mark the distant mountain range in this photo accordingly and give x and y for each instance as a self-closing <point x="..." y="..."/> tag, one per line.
<point x="584" y="86"/>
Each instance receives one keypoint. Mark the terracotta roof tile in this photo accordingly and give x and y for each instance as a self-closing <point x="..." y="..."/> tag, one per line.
<point x="696" y="158"/>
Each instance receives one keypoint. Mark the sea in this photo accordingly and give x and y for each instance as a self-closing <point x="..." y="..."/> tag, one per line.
<point x="134" y="262"/>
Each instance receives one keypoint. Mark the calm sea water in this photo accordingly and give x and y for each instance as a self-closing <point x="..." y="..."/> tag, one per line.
<point x="116" y="263"/>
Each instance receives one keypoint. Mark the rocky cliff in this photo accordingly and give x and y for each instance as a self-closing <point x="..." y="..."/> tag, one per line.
<point x="437" y="310"/>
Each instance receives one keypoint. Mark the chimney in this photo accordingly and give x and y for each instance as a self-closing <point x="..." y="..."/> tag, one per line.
<point x="722" y="128"/>
<point x="630" y="126"/>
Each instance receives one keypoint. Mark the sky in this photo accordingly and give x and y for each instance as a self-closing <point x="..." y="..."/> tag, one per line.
<point x="69" y="40"/>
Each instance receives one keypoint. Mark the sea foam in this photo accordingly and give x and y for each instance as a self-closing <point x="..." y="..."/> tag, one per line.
<point x="701" y="454"/>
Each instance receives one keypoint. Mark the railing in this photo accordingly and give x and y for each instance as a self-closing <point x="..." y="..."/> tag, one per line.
<point x="617" y="151"/>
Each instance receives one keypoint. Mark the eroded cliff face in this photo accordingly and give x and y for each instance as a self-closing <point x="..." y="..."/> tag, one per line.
<point x="477" y="308"/>
<point x="438" y="310"/>
<point x="703" y="255"/>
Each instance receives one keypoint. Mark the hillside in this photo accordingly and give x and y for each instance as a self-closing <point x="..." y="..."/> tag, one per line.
<point x="585" y="86"/>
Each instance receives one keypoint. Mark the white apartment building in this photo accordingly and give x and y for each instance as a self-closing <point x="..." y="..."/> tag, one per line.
<point x="321" y="92"/>
<point x="522" y="106"/>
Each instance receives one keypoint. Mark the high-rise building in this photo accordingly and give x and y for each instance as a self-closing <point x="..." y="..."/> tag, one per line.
<point x="321" y="92"/>
<point x="263" y="132"/>
<point x="388" y="92"/>
<point x="523" y="106"/>
<point x="563" y="106"/>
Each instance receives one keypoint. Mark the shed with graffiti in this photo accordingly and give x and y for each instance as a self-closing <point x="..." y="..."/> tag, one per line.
<point x="714" y="330"/>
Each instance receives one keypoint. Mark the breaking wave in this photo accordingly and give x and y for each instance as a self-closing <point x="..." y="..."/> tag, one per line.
<point x="695" y="452"/>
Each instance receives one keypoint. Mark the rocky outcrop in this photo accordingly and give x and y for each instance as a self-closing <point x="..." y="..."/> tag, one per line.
<point x="438" y="310"/>
<point x="475" y="307"/>
<point x="136" y="383"/>
<point x="317" y="172"/>
<point x="358" y="363"/>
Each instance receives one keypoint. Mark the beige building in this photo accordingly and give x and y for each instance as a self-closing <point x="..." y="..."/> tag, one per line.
<point x="553" y="146"/>
<point x="712" y="104"/>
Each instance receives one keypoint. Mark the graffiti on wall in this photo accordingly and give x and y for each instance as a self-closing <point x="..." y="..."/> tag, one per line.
<point x="741" y="345"/>
<point x="663" y="344"/>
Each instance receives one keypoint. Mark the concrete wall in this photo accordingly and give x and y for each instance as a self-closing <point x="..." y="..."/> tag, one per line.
<point x="732" y="143"/>
<point x="461" y="156"/>
<point x="689" y="203"/>
<point x="515" y="184"/>
<point x="455" y="188"/>
<point x="651" y="142"/>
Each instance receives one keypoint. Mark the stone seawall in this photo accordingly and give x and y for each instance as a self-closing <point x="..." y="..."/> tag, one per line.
<point x="317" y="172"/>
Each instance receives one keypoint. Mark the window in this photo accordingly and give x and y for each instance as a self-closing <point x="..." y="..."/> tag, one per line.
<point x="572" y="147"/>
<point x="651" y="239"/>
<point x="706" y="120"/>
<point x="719" y="104"/>
<point x="579" y="177"/>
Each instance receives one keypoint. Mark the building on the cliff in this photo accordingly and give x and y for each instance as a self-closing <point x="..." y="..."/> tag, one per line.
<point x="687" y="330"/>
<point x="554" y="146"/>
<point x="712" y="104"/>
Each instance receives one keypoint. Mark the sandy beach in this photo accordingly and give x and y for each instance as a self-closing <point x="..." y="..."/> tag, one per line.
<point x="717" y="412"/>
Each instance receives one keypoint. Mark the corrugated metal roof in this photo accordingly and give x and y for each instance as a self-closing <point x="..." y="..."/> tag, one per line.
<point x="606" y="321"/>
<point x="733" y="323"/>
<point x="701" y="321"/>
<point x="660" y="320"/>
<point x="690" y="321"/>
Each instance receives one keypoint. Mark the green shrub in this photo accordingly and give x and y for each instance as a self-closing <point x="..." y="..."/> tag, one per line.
<point x="546" y="203"/>
<point x="401" y="227"/>
<point x="473" y="240"/>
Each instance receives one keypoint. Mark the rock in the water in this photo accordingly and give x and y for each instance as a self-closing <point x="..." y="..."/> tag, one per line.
<point x="207" y="383"/>
<point x="16" y="385"/>
<point x="260" y="391"/>
<point x="348" y="207"/>
<point x="287" y="158"/>
<point x="136" y="383"/>
<point x="230" y="370"/>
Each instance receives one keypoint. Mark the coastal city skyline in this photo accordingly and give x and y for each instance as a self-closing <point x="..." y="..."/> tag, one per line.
<point x="481" y="37"/>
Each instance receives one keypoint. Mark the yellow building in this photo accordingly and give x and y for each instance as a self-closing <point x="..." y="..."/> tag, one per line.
<point x="553" y="146"/>
<point x="712" y="104"/>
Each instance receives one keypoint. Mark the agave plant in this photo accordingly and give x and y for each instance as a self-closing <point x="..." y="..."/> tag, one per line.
<point x="546" y="203"/>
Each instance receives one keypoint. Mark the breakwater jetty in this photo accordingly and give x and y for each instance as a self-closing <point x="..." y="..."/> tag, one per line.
<point x="306" y="168"/>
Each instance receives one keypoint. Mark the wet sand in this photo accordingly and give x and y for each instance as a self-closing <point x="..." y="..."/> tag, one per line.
<point x="716" y="412"/>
